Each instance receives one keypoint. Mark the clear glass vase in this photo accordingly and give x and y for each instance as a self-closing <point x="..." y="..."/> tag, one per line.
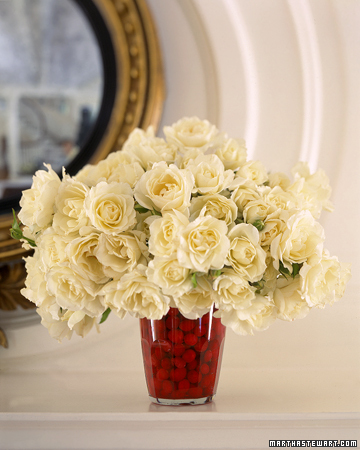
<point x="182" y="357"/>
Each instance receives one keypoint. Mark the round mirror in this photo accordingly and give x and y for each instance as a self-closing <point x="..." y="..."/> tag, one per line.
<point x="51" y="83"/>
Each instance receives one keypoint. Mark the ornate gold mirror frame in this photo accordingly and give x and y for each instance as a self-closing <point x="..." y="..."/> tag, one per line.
<point x="133" y="97"/>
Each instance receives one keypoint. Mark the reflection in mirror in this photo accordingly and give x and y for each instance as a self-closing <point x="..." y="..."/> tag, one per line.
<point x="50" y="87"/>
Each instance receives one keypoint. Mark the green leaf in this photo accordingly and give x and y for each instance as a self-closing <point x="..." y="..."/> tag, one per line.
<point x="296" y="269"/>
<point x="259" y="224"/>
<point x="105" y="315"/>
<point x="194" y="280"/>
<point x="217" y="273"/>
<point x="239" y="220"/>
<point x="283" y="270"/>
<point x="156" y="213"/>
<point x="140" y="209"/>
<point x="16" y="232"/>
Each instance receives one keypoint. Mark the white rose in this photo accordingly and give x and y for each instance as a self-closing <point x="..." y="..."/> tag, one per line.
<point x="74" y="292"/>
<point x="135" y="294"/>
<point x="143" y="222"/>
<point x="82" y="256"/>
<point x="257" y="210"/>
<point x="70" y="213"/>
<point x="57" y="328"/>
<point x="280" y="199"/>
<point x="183" y="160"/>
<point x="136" y="137"/>
<point x="302" y="238"/>
<point x="244" y="194"/>
<point x="233" y="290"/>
<point x="165" y="188"/>
<point x="121" y="253"/>
<point x="288" y="300"/>
<point x="245" y="255"/>
<point x="215" y="205"/>
<point x="233" y="154"/>
<point x="321" y="278"/>
<point x="37" y="203"/>
<point x="52" y="248"/>
<point x="153" y="150"/>
<point x="110" y="207"/>
<point x="274" y="225"/>
<point x="191" y="132"/>
<point x="198" y="301"/>
<point x="164" y="233"/>
<point x="203" y="244"/>
<point x="127" y="173"/>
<point x="279" y="179"/>
<point x="79" y="322"/>
<point x="209" y="174"/>
<point x="167" y="273"/>
<point x="259" y="316"/>
<point x="254" y="171"/>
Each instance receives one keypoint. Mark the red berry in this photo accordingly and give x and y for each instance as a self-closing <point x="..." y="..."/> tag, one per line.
<point x="190" y="339"/>
<point x="205" y="318"/>
<point x="187" y="325"/>
<point x="199" y="330"/>
<point x="172" y="322"/>
<point x="184" y="384"/>
<point x="155" y="361"/>
<point x="178" y="374"/>
<point x="179" y="349"/>
<point x="201" y="345"/>
<point x="176" y="336"/>
<point x="179" y="362"/>
<point x="208" y="391"/>
<point x="195" y="392"/>
<point x="192" y="365"/>
<point x="173" y="312"/>
<point x="167" y="386"/>
<point x="204" y="369"/>
<point x="159" y="326"/>
<point x="157" y="384"/>
<point x="189" y="355"/>
<point x="194" y="376"/>
<point x="208" y="356"/>
<point x="162" y="374"/>
<point x="166" y="363"/>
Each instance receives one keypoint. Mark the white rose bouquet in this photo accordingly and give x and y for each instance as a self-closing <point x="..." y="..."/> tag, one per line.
<point x="186" y="222"/>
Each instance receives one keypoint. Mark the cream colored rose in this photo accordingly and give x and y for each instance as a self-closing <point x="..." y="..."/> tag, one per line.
<point x="279" y="179"/>
<point x="136" y="137"/>
<point x="233" y="290"/>
<point x="191" y="132"/>
<point x="74" y="292"/>
<point x="203" y="244"/>
<point x="143" y="222"/>
<point x="121" y="253"/>
<point x="167" y="273"/>
<point x="257" y="210"/>
<point x="209" y="175"/>
<point x="37" y="203"/>
<point x="57" y="328"/>
<point x="198" y="301"/>
<point x="153" y="150"/>
<point x="52" y="249"/>
<point x="232" y="154"/>
<point x="280" y="199"/>
<point x="274" y="225"/>
<point x="70" y="213"/>
<point x="165" y="188"/>
<point x="135" y="294"/>
<point x="288" y="300"/>
<point x="245" y="255"/>
<point x="164" y="233"/>
<point x="320" y="279"/>
<point x="253" y="171"/>
<point x="79" y="322"/>
<point x="127" y="173"/>
<point x="259" y="316"/>
<point x="302" y="238"/>
<point x="110" y="207"/>
<point x="244" y="194"/>
<point x="186" y="158"/>
<point x="214" y="205"/>
<point x="82" y="257"/>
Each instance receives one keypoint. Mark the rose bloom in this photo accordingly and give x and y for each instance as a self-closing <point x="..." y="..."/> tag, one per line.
<point x="321" y="278"/>
<point x="274" y="225"/>
<point x="52" y="248"/>
<point x="244" y="194"/>
<point x="121" y="253"/>
<point x="164" y="233"/>
<point x="233" y="290"/>
<point x="259" y="316"/>
<point x="245" y="255"/>
<point x="191" y="132"/>
<point x="254" y="171"/>
<point x="167" y="273"/>
<point x="152" y="150"/>
<point x="138" y="296"/>
<point x="214" y="205"/>
<point x="203" y="244"/>
<point x="37" y="203"/>
<point x="198" y="301"/>
<point x="82" y="257"/>
<point x="279" y="179"/>
<point x="280" y="199"/>
<point x="74" y="292"/>
<point x="136" y="137"/>
<point x="302" y="238"/>
<point x="288" y="300"/>
<point x="127" y="173"/>
<point x="110" y="207"/>
<point x="165" y="188"/>
<point x="232" y="154"/>
<point x="209" y="175"/>
<point x="70" y="213"/>
<point x="184" y="159"/>
<point x="257" y="210"/>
